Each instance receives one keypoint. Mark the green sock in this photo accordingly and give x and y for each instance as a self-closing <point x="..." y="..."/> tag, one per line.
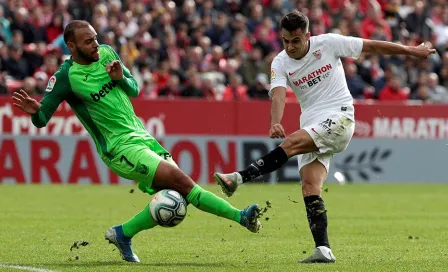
<point x="142" y="221"/>
<point x="211" y="203"/>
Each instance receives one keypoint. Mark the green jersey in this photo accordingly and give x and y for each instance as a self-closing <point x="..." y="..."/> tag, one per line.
<point x="101" y="104"/>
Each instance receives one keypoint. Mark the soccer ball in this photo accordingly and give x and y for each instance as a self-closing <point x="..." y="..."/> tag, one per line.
<point x="168" y="208"/>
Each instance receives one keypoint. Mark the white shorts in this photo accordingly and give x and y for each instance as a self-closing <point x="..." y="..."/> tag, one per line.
<point x="331" y="134"/>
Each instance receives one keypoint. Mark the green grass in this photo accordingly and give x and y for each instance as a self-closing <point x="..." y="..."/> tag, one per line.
<point x="369" y="226"/>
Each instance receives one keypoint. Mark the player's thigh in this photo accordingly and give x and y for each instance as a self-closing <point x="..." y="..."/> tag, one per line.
<point x="332" y="133"/>
<point x="313" y="170"/>
<point x="136" y="162"/>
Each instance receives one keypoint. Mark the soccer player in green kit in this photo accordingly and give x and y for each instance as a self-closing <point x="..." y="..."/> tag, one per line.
<point x="97" y="86"/>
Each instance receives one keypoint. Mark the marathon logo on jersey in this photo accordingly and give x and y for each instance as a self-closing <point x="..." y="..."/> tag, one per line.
<point x="314" y="78"/>
<point x="318" y="54"/>
<point x="104" y="91"/>
<point x="327" y="125"/>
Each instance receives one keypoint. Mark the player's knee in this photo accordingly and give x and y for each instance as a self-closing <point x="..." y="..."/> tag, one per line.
<point x="291" y="145"/>
<point x="182" y="182"/>
<point x="311" y="187"/>
<point x="299" y="142"/>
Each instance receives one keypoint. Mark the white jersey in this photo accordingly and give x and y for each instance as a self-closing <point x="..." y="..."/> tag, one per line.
<point x="318" y="79"/>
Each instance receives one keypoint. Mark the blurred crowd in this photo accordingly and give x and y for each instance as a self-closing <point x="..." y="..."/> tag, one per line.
<point x="222" y="49"/>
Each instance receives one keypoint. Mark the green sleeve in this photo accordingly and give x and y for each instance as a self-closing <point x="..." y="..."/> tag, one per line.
<point x="128" y="82"/>
<point x="56" y="92"/>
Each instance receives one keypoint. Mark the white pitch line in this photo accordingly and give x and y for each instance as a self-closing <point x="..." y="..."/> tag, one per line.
<point x="27" y="268"/>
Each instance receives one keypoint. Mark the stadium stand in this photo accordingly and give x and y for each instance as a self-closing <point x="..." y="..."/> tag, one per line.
<point x="222" y="49"/>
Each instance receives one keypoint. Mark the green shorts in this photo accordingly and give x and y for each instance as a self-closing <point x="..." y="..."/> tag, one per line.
<point x="139" y="162"/>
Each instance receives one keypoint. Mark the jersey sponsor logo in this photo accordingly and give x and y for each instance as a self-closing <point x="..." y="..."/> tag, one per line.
<point x="315" y="77"/>
<point x="51" y="83"/>
<point x="318" y="54"/>
<point x="85" y="79"/>
<point x="292" y="73"/>
<point x="105" y="89"/>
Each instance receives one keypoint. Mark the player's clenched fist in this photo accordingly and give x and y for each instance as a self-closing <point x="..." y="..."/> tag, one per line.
<point x="115" y="70"/>
<point x="277" y="131"/>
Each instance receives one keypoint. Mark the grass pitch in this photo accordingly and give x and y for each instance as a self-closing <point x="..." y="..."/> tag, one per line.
<point x="384" y="227"/>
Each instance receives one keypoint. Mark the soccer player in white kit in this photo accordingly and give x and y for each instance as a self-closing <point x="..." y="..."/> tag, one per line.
<point x="313" y="68"/>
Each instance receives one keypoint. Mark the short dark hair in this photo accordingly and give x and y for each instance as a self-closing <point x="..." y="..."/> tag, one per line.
<point x="69" y="31"/>
<point x="295" y="20"/>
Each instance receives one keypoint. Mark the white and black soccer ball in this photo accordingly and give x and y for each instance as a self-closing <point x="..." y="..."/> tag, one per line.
<point x="168" y="208"/>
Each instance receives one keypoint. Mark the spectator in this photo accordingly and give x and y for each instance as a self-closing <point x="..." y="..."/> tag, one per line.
<point x="437" y="92"/>
<point x="55" y="28"/>
<point x="194" y="88"/>
<point x="235" y="90"/>
<point x="220" y="33"/>
<point x="15" y="65"/>
<point x="30" y="87"/>
<point x="393" y="90"/>
<point x="441" y="31"/>
<point x="354" y="82"/>
<point x="261" y="88"/>
<point x="172" y="88"/>
<point x="21" y="24"/>
<point x="219" y="39"/>
<point x="444" y="76"/>
<point x="3" y="87"/>
<point x="5" y="29"/>
<point x="374" y="25"/>
<point x="41" y="82"/>
<point x="251" y="66"/>
<point x="148" y="89"/>
<point x="422" y="94"/>
<point x="210" y="92"/>
<point x="418" y="22"/>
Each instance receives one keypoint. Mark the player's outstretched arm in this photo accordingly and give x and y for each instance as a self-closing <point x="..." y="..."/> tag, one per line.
<point x="278" y="98"/>
<point x="41" y="113"/>
<point x="389" y="48"/>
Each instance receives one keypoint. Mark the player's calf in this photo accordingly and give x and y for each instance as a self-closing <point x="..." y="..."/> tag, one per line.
<point x="297" y="143"/>
<point x="317" y="219"/>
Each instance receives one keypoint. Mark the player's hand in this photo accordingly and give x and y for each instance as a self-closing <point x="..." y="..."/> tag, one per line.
<point x="277" y="131"/>
<point x="115" y="70"/>
<point x="24" y="102"/>
<point x="422" y="51"/>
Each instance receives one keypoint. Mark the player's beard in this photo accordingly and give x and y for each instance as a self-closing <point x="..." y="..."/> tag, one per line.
<point x="85" y="56"/>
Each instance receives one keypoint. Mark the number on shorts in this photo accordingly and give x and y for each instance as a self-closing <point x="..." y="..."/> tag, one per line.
<point x="123" y="158"/>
